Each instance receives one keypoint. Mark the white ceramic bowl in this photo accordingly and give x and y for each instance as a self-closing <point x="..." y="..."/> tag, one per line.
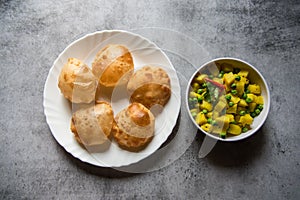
<point x="254" y="77"/>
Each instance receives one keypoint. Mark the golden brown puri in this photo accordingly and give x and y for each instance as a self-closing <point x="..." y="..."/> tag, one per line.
<point x="77" y="82"/>
<point x="93" y="125"/>
<point x="113" y="65"/>
<point x="134" y="127"/>
<point x="149" y="86"/>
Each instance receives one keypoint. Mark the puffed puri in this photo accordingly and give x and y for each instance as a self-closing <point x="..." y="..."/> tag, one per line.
<point x="134" y="127"/>
<point x="113" y="65"/>
<point x="77" y="82"/>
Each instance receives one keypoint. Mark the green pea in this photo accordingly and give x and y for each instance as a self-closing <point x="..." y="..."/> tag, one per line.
<point x="204" y="85"/>
<point x="253" y="114"/>
<point x="228" y="97"/>
<point x="242" y="112"/>
<point x="200" y="91"/>
<point x="244" y="129"/>
<point x="233" y="122"/>
<point x="233" y="91"/>
<point x="233" y="85"/>
<point x="248" y="100"/>
<point x="194" y="114"/>
<point x="230" y="104"/>
<point x="238" y="78"/>
<point x="204" y="111"/>
<point x="223" y="135"/>
<point x="260" y="107"/>
<point x="209" y="120"/>
<point x="244" y="96"/>
<point x="220" y="75"/>
<point x="257" y="111"/>
<point x="200" y="99"/>
<point x="247" y="91"/>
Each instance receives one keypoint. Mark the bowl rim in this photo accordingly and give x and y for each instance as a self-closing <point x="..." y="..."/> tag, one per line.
<point x="233" y="138"/>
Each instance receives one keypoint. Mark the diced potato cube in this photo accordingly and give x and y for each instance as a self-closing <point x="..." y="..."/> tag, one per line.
<point x="232" y="109"/>
<point x="243" y="73"/>
<point x="206" y="127"/>
<point x="201" y="119"/>
<point x="252" y="97"/>
<point x="239" y="109"/>
<point x="234" y="129"/>
<point x="222" y="98"/>
<point x="254" y="88"/>
<point x="201" y="77"/>
<point x="259" y="100"/>
<point x="244" y="80"/>
<point x="223" y="122"/>
<point x="246" y="120"/>
<point x="243" y="103"/>
<point x="218" y="129"/>
<point x="206" y="105"/>
<point x="194" y="110"/>
<point x="194" y="94"/>
<point x="209" y="115"/>
<point x="252" y="106"/>
<point x="215" y="114"/>
<point x="240" y="88"/>
<point x="234" y="99"/>
<point x="228" y="78"/>
<point x="220" y="106"/>
<point x="230" y="117"/>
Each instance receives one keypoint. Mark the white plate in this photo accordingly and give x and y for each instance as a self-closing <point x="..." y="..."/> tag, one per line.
<point x="58" y="110"/>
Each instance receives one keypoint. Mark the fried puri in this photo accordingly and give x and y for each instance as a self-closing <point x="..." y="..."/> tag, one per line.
<point x="113" y="65"/>
<point x="77" y="82"/>
<point x="149" y="86"/>
<point x="92" y="126"/>
<point x="134" y="127"/>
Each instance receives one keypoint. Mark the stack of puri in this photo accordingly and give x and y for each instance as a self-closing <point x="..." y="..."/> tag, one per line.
<point x="94" y="124"/>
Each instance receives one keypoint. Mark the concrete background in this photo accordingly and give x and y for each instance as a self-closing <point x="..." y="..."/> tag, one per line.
<point x="264" y="33"/>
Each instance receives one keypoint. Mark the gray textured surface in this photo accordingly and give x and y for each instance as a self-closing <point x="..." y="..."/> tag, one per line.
<point x="264" y="33"/>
